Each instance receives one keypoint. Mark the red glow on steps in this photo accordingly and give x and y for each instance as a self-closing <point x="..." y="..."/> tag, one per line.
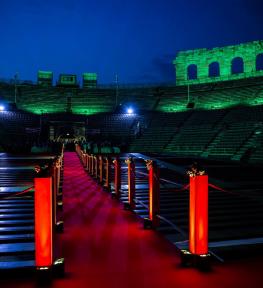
<point x="105" y="246"/>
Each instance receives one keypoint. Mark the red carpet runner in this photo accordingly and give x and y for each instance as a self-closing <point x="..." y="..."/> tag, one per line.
<point x="106" y="247"/>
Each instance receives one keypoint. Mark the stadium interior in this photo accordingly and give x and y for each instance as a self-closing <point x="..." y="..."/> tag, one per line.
<point x="76" y="129"/>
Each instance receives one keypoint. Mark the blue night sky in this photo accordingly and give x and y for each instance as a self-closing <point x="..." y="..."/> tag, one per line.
<point x="136" y="39"/>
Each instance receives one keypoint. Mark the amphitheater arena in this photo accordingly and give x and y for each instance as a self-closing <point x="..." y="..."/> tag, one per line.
<point x="118" y="200"/>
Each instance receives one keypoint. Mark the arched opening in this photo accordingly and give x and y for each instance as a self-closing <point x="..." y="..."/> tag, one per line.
<point x="192" y="72"/>
<point x="259" y="62"/>
<point x="214" y="69"/>
<point x="237" y="65"/>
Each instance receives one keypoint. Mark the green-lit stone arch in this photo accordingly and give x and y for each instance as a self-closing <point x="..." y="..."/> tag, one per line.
<point x="224" y="56"/>
<point x="215" y="65"/>
<point x="192" y="71"/>
<point x="259" y="62"/>
<point x="237" y="61"/>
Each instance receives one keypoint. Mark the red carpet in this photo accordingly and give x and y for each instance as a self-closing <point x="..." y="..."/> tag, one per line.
<point x="106" y="247"/>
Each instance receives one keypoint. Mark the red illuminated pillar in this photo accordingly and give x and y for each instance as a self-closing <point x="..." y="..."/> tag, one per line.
<point x="96" y="166"/>
<point x="101" y="169"/>
<point x="154" y="195"/>
<point x="198" y="226"/>
<point x="78" y="150"/>
<point x="107" y="173"/>
<point x="92" y="165"/>
<point x="81" y="156"/>
<point x="117" y="177"/>
<point x="84" y="160"/>
<point x="88" y="164"/>
<point x="43" y="223"/>
<point x="131" y="183"/>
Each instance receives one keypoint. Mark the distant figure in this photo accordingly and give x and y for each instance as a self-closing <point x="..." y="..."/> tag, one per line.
<point x="195" y="169"/>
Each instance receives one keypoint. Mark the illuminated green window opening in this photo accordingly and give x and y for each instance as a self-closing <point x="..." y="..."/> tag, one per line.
<point x="67" y="79"/>
<point x="89" y="80"/>
<point x="45" y="74"/>
<point x="89" y="76"/>
<point x="45" y="78"/>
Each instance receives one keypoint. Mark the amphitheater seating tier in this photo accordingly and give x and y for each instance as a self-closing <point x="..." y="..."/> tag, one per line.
<point x="224" y="123"/>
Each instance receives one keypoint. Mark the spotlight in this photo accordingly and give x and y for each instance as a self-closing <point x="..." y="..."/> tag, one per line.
<point x="130" y="111"/>
<point x="2" y="108"/>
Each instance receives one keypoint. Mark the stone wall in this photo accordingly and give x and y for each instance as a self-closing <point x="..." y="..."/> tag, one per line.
<point x="202" y="58"/>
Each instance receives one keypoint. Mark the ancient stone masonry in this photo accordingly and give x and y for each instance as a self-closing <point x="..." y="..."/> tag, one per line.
<point x="222" y="59"/>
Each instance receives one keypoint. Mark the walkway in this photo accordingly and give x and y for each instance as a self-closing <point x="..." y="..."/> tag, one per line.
<point x="105" y="246"/>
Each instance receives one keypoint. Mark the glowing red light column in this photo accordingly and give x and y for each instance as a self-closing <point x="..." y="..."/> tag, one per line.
<point x="154" y="192"/>
<point x="107" y="173"/>
<point x="89" y="163"/>
<point x="100" y="169"/>
<point x="43" y="222"/>
<point x="85" y="157"/>
<point x="92" y="165"/>
<point x="198" y="226"/>
<point x="117" y="177"/>
<point x="96" y="166"/>
<point x="131" y="182"/>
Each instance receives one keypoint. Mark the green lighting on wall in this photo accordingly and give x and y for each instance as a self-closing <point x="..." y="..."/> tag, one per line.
<point x="225" y="57"/>
<point x="89" y="76"/>
<point x="45" y="74"/>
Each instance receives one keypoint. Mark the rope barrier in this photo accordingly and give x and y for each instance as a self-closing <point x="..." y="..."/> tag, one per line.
<point x="185" y="187"/>
<point x="18" y="193"/>
<point x="217" y="188"/>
